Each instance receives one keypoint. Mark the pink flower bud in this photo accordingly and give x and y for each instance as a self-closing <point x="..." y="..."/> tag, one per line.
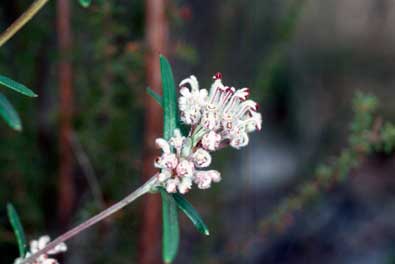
<point x="171" y="185"/>
<point x="185" y="168"/>
<point x="201" y="158"/>
<point x="203" y="179"/>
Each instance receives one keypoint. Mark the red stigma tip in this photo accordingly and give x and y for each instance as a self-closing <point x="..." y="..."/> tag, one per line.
<point x="257" y="106"/>
<point x="217" y="76"/>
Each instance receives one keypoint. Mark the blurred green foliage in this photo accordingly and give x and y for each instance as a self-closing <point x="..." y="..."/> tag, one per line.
<point x="367" y="135"/>
<point x="108" y="114"/>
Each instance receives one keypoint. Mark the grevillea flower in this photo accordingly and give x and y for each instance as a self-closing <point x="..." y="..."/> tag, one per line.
<point x="37" y="245"/>
<point x="226" y="114"/>
<point x="192" y="101"/>
<point x="223" y="116"/>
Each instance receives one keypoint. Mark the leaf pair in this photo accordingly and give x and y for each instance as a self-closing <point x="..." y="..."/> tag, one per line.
<point x="171" y="232"/>
<point x="7" y="111"/>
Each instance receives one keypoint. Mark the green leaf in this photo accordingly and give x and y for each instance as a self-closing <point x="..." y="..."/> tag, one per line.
<point x="85" y="3"/>
<point x="155" y="96"/>
<point x="9" y="114"/>
<point x="171" y="231"/>
<point x="20" y="88"/>
<point x="18" y="229"/>
<point x="184" y="129"/>
<point x="192" y="214"/>
<point x="170" y="111"/>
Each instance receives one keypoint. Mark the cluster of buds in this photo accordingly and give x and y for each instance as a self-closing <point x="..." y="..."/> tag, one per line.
<point x="37" y="245"/>
<point x="217" y="118"/>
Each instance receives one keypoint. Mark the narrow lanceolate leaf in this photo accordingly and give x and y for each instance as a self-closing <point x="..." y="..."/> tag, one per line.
<point x="20" y="88"/>
<point x="85" y="3"/>
<point x="171" y="231"/>
<point x="191" y="213"/>
<point x="18" y="229"/>
<point x="9" y="114"/>
<point x="169" y="99"/>
<point x="155" y="96"/>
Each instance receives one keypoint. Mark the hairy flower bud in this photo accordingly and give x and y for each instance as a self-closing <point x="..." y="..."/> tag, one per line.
<point x="185" y="168"/>
<point x="201" y="158"/>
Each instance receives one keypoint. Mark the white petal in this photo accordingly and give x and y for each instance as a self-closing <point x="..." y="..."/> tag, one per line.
<point x="34" y="246"/>
<point x="202" y="179"/>
<point x="201" y="158"/>
<point x="215" y="175"/>
<point x="163" y="144"/>
<point x="185" y="185"/>
<point x="164" y="175"/>
<point x="240" y="140"/>
<point x="185" y="92"/>
<point x="43" y="241"/>
<point x="171" y="185"/>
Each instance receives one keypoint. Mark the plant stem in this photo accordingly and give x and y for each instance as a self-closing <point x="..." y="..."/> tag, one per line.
<point x="21" y="21"/>
<point x="146" y="187"/>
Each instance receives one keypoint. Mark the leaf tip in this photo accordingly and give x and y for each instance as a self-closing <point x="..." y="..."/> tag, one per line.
<point x="17" y="127"/>
<point x="85" y="3"/>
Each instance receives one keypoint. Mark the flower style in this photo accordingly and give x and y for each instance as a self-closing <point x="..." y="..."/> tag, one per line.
<point x="224" y="116"/>
<point x="37" y="245"/>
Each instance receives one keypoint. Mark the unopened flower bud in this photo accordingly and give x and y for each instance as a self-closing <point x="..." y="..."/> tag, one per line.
<point x="201" y="158"/>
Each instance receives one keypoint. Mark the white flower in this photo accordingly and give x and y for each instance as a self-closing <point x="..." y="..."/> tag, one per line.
<point x="185" y="185"/>
<point x="164" y="175"/>
<point x="214" y="175"/>
<point x="203" y="179"/>
<point x="177" y="140"/>
<point x="185" y="168"/>
<point x="211" y="140"/>
<point x="167" y="160"/>
<point x="163" y="144"/>
<point x="239" y="138"/>
<point x="225" y="112"/>
<point x="37" y="245"/>
<point x="191" y="101"/>
<point x="171" y="185"/>
<point x="223" y="116"/>
<point x="201" y="158"/>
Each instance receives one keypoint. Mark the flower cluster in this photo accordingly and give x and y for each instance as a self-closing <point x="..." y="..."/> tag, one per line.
<point x="219" y="117"/>
<point x="37" y="245"/>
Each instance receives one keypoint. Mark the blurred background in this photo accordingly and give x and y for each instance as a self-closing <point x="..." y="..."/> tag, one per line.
<point x="88" y="137"/>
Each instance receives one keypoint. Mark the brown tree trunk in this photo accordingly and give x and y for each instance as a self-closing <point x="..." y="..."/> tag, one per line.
<point x="157" y="38"/>
<point x="66" y="188"/>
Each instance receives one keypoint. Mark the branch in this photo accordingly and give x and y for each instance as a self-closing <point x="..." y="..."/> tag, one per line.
<point x="87" y="168"/>
<point x="22" y="20"/>
<point x="146" y="187"/>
